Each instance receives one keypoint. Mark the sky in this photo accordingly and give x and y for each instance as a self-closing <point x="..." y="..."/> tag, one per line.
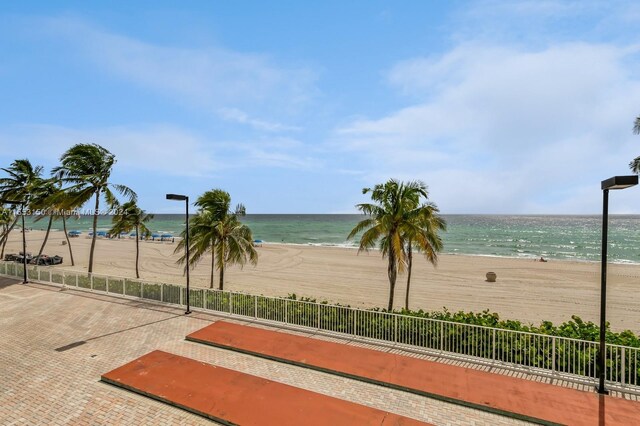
<point x="500" y="107"/>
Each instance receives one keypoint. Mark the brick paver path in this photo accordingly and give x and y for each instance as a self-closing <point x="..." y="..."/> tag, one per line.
<point x="39" y="385"/>
<point x="492" y="391"/>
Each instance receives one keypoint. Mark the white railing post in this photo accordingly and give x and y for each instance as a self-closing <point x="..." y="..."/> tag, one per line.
<point x="442" y="336"/>
<point x="286" y="311"/>
<point x="181" y="296"/>
<point x="106" y="283"/>
<point x="141" y="290"/>
<point x="255" y="307"/>
<point x="319" y="306"/>
<point x="355" y="321"/>
<point x="38" y="270"/>
<point x="91" y="281"/>
<point x="553" y="354"/>
<point x="162" y="292"/>
<point x="395" y="327"/>
<point x="622" y="366"/>
<point x="493" y="344"/>
<point x="230" y="303"/>
<point x="76" y="280"/>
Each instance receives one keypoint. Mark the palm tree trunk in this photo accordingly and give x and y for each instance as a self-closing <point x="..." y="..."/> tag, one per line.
<point x="213" y="266"/>
<point x="5" y="237"/>
<point x="221" y="261"/>
<point x="221" y="277"/>
<point x="46" y="236"/>
<point x="137" y="251"/>
<point x="95" y="229"/>
<point x="392" y="271"/>
<point x="64" y="228"/>
<point x="409" y="263"/>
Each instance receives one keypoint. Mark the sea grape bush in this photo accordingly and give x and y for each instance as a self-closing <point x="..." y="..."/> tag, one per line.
<point x="576" y="328"/>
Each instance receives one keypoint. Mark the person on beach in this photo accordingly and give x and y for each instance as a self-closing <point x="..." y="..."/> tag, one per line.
<point x="542" y="259"/>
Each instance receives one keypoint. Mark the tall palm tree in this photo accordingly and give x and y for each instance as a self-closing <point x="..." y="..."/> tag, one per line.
<point x="65" y="205"/>
<point x="422" y="235"/>
<point x="396" y="207"/>
<point x="203" y="233"/>
<point x="635" y="164"/>
<point x="131" y="218"/>
<point x="7" y="222"/>
<point x="22" y="181"/>
<point x="217" y="230"/>
<point x="86" y="169"/>
<point x="235" y="243"/>
<point x="43" y="201"/>
<point x="202" y="240"/>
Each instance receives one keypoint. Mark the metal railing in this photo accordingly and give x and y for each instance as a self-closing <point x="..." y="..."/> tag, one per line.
<point x="569" y="359"/>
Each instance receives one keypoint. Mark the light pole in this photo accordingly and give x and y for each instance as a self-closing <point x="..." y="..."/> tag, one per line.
<point x="616" y="182"/>
<point x="24" y="237"/>
<point x="186" y="200"/>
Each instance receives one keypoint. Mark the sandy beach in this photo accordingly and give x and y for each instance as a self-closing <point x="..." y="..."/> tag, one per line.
<point x="525" y="290"/>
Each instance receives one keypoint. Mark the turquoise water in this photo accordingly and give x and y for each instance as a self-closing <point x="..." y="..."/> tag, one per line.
<point x="555" y="237"/>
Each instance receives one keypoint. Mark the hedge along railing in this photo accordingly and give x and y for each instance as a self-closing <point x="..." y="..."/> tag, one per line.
<point x="571" y="359"/>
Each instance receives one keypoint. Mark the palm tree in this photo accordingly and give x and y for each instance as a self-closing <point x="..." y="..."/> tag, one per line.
<point x="65" y="205"/>
<point x="213" y="205"/>
<point x="202" y="238"/>
<point x="422" y="235"/>
<point x="217" y="230"/>
<point x="64" y="215"/>
<point x="131" y="218"/>
<point x="635" y="164"/>
<point x="43" y="201"/>
<point x="86" y="168"/>
<point x="22" y="181"/>
<point x="7" y="222"/>
<point x="390" y="221"/>
<point x="235" y="243"/>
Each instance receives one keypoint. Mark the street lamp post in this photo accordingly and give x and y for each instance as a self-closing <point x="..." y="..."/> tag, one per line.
<point x="186" y="200"/>
<point x="24" y="238"/>
<point x="616" y="182"/>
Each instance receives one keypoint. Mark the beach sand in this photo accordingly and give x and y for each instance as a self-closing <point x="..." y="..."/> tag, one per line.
<point x="525" y="290"/>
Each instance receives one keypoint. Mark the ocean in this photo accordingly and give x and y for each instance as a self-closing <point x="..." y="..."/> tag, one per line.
<point x="522" y="236"/>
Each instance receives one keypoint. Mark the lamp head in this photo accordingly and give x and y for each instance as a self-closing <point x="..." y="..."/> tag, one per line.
<point x="177" y="197"/>
<point x="620" y="182"/>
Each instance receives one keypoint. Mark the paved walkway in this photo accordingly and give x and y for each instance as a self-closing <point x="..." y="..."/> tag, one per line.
<point x="42" y="385"/>
<point x="523" y="398"/>
<point x="237" y="398"/>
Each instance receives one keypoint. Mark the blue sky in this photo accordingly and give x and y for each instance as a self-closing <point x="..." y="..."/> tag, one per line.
<point x="294" y="107"/>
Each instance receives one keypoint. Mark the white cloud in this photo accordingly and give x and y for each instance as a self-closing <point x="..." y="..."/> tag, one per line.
<point x="235" y="86"/>
<point x="163" y="149"/>
<point x="155" y="148"/>
<point x="500" y="129"/>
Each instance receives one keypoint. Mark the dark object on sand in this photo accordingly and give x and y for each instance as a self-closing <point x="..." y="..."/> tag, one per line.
<point x="45" y="260"/>
<point x="10" y="257"/>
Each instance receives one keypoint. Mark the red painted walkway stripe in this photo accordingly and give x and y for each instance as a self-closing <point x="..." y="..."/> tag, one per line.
<point x="232" y="397"/>
<point x="493" y="392"/>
